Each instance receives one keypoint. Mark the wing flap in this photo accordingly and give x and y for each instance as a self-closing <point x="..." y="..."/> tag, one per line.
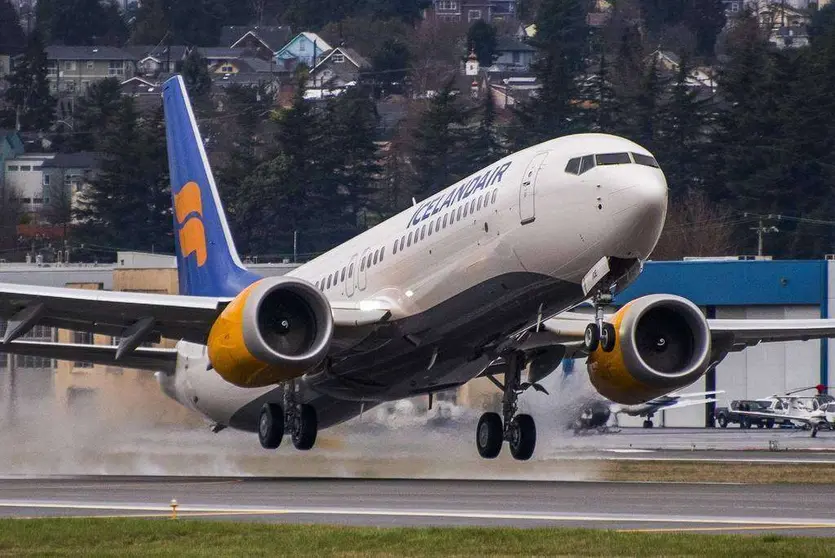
<point x="143" y="358"/>
<point x="753" y="331"/>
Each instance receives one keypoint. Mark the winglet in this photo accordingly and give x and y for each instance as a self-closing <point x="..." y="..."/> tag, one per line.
<point x="207" y="260"/>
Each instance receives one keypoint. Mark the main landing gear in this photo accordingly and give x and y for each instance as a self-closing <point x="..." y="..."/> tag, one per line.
<point x="600" y="334"/>
<point x="298" y="420"/>
<point x="518" y="430"/>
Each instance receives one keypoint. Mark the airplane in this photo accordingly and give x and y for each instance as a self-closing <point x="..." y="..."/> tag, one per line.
<point x="479" y="279"/>
<point x="597" y="414"/>
<point x="813" y="412"/>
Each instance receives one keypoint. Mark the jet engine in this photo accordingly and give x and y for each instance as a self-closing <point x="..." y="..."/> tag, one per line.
<point x="662" y="344"/>
<point x="274" y="330"/>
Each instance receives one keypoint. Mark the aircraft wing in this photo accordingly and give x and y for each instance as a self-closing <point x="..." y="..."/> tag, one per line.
<point x="775" y="416"/>
<point x="687" y="403"/>
<point x="143" y="358"/>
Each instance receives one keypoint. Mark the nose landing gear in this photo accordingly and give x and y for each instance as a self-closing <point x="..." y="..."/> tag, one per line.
<point x="518" y="430"/>
<point x="600" y="333"/>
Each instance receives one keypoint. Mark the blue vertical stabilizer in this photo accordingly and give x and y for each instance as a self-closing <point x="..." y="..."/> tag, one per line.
<point x="207" y="261"/>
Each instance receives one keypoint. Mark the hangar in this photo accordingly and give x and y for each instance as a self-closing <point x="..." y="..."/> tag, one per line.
<point x="745" y="288"/>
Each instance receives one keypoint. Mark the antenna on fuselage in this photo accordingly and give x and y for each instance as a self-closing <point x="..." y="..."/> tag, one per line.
<point x="414" y="201"/>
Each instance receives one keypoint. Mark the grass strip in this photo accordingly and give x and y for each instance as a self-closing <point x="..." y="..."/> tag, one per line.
<point x="149" y="537"/>
<point x="704" y="471"/>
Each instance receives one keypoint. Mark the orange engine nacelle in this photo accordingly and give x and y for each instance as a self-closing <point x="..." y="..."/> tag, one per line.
<point x="274" y="330"/>
<point x="662" y="344"/>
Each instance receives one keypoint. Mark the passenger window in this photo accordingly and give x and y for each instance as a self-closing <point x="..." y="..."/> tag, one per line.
<point x="445" y="219"/>
<point x="573" y="166"/>
<point x="587" y="163"/>
<point x="362" y="264"/>
<point x="329" y="281"/>
<point x="382" y="253"/>
<point x="368" y="262"/>
<point x="336" y="277"/>
<point x="409" y="243"/>
<point x="613" y="159"/>
<point x="493" y="199"/>
<point x="423" y="232"/>
<point x="472" y="206"/>
<point x="438" y="224"/>
<point x="479" y="202"/>
<point x="350" y="271"/>
<point x="342" y="277"/>
<point x="645" y="160"/>
<point x="376" y="256"/>
<point x="431" y="226"/>
<point x="322" y="285"/>
<point x="466" y="209"/>
<point x="316" y="284"/>
<point x="394" y="248"/>
<point x="458" y="218"/>
<point x="402" y="242"/>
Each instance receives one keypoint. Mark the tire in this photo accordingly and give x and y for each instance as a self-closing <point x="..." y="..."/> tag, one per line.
<point x="722" y="420"/>
<point x="760" y="425"/>
<point x="648" y="424"/>
<point x="591" y="339"/>
<point x="522" y="437"/>
<point x="271" y="426"/>
<point x="488" y="435"/>
<point x="769" y="424"/>
<point x="814" y="431"/>
<point x="305" y="428"/>
<point x="608" y="338"/>
<point x="744" y="423"/>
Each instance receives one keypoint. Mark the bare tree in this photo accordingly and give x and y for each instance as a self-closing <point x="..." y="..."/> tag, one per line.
<point x="696" y="227"/>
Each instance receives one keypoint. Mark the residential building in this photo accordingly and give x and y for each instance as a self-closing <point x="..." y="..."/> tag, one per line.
<point x="305" y="48"/>
<point x="11" y="147"/>
<point x="512" y="55"/>
<point x="154" y="61"/>
<point x="64" y="178"/>
<point x="263" y="41"/>
<point x="24" y="182"/>
<point x="73" y="68"/>
<point x="338" y="69"/>
<point x="468" y="11"/>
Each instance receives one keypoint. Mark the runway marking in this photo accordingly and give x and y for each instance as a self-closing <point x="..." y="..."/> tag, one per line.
<point x="445" y="514"/>
<point x="741" y="528"/>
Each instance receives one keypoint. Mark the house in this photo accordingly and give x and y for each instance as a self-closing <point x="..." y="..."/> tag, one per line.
<point x="338" y="69"/>
<point x="71" y="69"/>
<point x="153" y="61"/>
<point x="24" y="180"/>
<point x="263" y="41"/>
<point x="468" y="11"/>
<point x="145" y="91"/>
<point x="64" y="178"/>
<point x="242" y="64"/>
<point x="512" y="55"/>
<point x="305" y="48"/>
<point x="217" y="55"/>
<point x="702" y="77"/>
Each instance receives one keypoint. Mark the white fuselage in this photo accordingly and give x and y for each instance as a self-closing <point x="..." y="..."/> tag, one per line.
<point x="523" y="216"/>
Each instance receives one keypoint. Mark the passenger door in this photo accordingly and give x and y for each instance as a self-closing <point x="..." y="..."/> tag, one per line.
<point x="353" y="272"/>
<point x="527" y="190"/>
<point x="362" y="271"/>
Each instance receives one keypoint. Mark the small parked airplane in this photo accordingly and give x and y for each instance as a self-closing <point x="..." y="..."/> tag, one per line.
<point x="816" y="412"/>
<point x="479" y="279"/>
<point x="598" y="414"/>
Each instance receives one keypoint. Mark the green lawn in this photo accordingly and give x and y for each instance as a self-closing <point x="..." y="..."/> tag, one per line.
<point x="158" y="537"/>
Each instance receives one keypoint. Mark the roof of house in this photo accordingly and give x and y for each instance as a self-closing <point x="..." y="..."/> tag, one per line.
<point x="353" y="56"/>
<point x="79" y="160"/>
<point x="321" y="44"/>
<point x="241" y="78"/>
<point x="222" y="53"/>
<point x="60" y="52"/>
<point x="157" y="52"/>
<point x="273" y="36"/>
<point x="509" y="44"/>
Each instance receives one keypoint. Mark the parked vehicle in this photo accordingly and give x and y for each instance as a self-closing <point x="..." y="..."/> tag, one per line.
<point x="730" y="415"/>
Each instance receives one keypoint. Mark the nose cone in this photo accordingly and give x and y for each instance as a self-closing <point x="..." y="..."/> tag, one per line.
<point x="640" y="211"/>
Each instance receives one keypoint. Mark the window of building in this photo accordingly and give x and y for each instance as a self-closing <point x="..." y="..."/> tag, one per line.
<point x="26" y="200"/>
<point x="227" y="68"/>
<point x="25" y="168"/>
<point x="116" y="68"/>
<point x="573" y="166"/>
<point x="69" y="65"/>
<point x="12" y="168"/>
<point x="90" y="64"/>
<point x="338" y="58"/>
<point x="37" y="200"/>
<point x="302" y="46"/>
<point x="473" y="15"/>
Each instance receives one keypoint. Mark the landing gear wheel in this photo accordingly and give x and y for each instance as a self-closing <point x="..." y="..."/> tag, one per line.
<point x="591" y="339"/>
<point x="815" y="431"/>
<point x="522" y="437"/>
<point x="723" y="421"/>
<point x="489" y="434"/>
<point x="271" y="426"/>
<point x="305" y="427"/>
<point x="648" y="424"/>
<point x="607" y="337"/>
<point x="769" y="424"/>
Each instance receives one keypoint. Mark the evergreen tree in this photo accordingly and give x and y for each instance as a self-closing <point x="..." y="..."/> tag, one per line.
<point x="81" y="22"/>
<point x="12" y="39"/>
<point x="32" y="105"/>
<point x="562" y="41"/>
<point x="195" y="72"/>
<point x="128" y="206"/>
<point x="440" y="145"/>
<point x="598" y="104"/>
<point x="706" y="18"/>
<point x="152" y="24"/>
<point x="390" y="66"/>
<point x="94" y="114"/>
<point x="196" y="22"/>
<point x="44" y="14"/>
<point x="481" y="39"/>
<point x="486" y="144"/>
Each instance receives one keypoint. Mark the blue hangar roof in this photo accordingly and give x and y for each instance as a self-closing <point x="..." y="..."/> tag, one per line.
<point x="734" y="283"/>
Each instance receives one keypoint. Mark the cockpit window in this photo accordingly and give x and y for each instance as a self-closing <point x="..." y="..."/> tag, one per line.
<point x="613" y="159"/>
<point x="573" y="166"/>
<point x="587" y="163"/>
<point x="645" y="160"/>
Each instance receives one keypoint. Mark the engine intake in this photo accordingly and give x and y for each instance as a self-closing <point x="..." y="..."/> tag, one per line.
<point x="275" y="330"/>
<point x="662" y="344"/>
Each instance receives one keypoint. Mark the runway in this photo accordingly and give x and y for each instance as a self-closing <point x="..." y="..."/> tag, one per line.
<point x="628" y="506"/>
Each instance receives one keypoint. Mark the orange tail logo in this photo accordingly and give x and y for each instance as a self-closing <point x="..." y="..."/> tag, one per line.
<point x="188" y="207"/>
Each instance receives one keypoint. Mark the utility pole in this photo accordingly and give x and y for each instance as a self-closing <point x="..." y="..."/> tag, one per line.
<point x="295" y="245"/>
<point x="761" y="230"/>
